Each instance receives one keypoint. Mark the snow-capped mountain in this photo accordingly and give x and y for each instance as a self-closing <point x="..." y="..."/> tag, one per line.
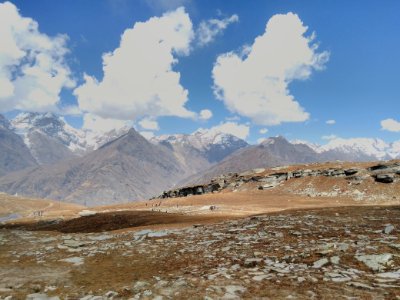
<point x="52" y="126"/>
<point x="355" y="149"/>
<point x="51" y="139"/>
<point x="214" y="145"/>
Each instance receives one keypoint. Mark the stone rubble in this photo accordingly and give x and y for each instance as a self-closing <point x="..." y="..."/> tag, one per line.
<point x="305" y="254"/>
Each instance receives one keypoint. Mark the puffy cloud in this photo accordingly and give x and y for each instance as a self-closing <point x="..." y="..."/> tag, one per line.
<point x="205" y="114"/>
<point x="329" y="137"/>
<point x="239" y="130"/>
<point x="330" y="122"/>
<point x="139" y="80"/>
<point x="255" y="82"/>
<point x="390" y="125"/>
<point x="209" y="29"/>
<point x="263" y="130"/>
<point x="98" y="124"/>
<point x="33" y="70"/>
<point x="149" y="124"/>
<point x="147" y="134"/>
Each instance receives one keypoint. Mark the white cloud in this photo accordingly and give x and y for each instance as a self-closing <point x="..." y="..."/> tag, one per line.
<point x="205" y="114"/>
<point x="330" y="122"/>
<point x="329" y="137"/>
<point x="139" y="80"/>
<point x="255" y="83"/>
<point x="149" y="124"/>
<point x="209" y="29"/>
<point x="239" y="130"/>
<point x="32" y="64"/>
<point x="98" y="124"/>
<point x="263" y="130"/>
<point x="147" y="134"/>
<point x="390" y="125"/>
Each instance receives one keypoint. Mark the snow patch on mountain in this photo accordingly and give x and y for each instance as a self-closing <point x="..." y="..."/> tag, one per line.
<point x="51" y="125"/>
<point x="372" y="147"/>
<point x="77" y="140"/>
<point x="201" y="139"/>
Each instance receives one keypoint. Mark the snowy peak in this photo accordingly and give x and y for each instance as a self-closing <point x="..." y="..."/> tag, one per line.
<point x="214" y="145"/>
<point x="55" y="127"/>
<point x="357" y="148"/>
<point x="201" y="139"/>
<point x="52" y="126"/>
<point x="375" y="148"/>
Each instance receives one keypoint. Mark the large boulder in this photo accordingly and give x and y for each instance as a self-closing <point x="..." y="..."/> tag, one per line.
<point x="384" y="178"/>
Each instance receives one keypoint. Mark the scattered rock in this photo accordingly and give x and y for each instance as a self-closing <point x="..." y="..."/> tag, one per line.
<point x="384" y="178"/>
<point x="320" y="263"/>
<point x="77" y="261"/>
<point x="377" y="262"/>
<point x="388" y="229"/>
<point x="87" y="213"/>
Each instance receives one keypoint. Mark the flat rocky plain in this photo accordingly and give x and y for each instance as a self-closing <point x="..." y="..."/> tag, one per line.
<point x="324" y="253"/>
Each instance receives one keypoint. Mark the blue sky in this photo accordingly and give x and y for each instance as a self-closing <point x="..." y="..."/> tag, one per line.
<point x="357" y="87"/>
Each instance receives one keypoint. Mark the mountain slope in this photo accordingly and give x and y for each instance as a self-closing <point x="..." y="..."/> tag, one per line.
<point x="274" y="151"/>
<point x="128" y="168"/>
<point x="14" y="155"/>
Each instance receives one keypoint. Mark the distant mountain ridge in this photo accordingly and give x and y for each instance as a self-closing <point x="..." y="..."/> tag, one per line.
<point x="43" y="156"/>
<point x="126" y="168"/>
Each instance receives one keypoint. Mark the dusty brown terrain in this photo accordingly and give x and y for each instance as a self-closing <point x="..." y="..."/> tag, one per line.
<point x="25" y="208"/>
<point x="302" y="254"/>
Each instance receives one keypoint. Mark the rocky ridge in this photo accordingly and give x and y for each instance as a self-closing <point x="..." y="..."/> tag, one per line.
<point x="263" y="179"/>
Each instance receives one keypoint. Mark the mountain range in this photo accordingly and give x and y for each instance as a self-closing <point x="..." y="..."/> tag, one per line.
<point x="43" y="156"/>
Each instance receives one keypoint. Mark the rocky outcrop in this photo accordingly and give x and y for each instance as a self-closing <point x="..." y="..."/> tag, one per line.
<point x="267" y="179"/>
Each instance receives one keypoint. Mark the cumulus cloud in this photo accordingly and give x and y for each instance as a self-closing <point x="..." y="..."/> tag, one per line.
<point x="263" y="130"/>
<point x="390" y="125"/>
<point x="255" y="82"/>
<point x="98" y="124"/>
<point x="239" y="130"/>
<point x="205" y="114"/>
<point x="209" y="29"/>
<point x="330" y="122"/>
<point x="33" y="70"/>
<point x="139" y="80"/>
<point x="149" y="124"/>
